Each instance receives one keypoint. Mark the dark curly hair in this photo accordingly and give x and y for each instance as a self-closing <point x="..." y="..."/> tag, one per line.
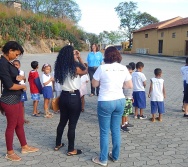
<point x="12" y="45"/>
<point x="66" y="65"/>
<point x="112" y="55"/>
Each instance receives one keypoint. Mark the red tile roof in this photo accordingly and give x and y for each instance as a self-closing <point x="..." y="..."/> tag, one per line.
<point x="183" y="21"/>
<point x="159" y="25"/>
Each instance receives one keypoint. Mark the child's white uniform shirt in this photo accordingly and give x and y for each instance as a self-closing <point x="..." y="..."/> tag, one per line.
<point x="46" y="78"/>
<point x="138" y="78"/>
<point x="157" y="89"/>
<point x="22" y="74"/>
<point x="184" y="70"/>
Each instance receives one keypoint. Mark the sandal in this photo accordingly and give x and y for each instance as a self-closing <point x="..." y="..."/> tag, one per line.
<point x="72" y="153"/>
<point x="36" y="115"/>
<point x="48" y="116"/>
<point x="58" y="147"/>
<point x="159" y="119"/>
<point x="91" y="95"/>
<point x="29" y="150"/>
<point x="13" y="157"/>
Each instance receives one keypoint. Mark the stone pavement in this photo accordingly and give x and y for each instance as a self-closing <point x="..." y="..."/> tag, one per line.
<point x="159" y="144"/>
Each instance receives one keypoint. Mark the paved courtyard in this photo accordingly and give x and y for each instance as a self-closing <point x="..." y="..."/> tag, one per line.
<point x="159" y="144"/>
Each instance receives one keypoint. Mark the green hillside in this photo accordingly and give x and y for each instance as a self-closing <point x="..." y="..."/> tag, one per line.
<point x="27" y="26"/>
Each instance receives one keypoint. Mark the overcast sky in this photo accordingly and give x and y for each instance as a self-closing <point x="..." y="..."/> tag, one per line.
<point x="99" y="15"/>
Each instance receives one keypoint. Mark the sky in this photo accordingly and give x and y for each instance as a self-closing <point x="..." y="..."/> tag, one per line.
<point x="99" y="15"/>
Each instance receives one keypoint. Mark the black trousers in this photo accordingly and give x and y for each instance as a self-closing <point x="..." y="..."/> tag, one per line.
<point x="91" y="71"/>
<point x="70" y="108"/>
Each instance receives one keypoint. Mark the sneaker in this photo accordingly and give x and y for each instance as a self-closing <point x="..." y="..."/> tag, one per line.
<point x="111" y="157"/>
<point x="129" y="125"/>
<point x="137" y="117"/>
<point x="185" y="115"/>
<point x="143" y="117"/>
<point x="124" y="129"/>
<point x="97" y="161"/>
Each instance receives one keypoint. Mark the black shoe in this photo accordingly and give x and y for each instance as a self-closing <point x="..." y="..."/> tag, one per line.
<point x="185" y="115"/>
<point x="129" y="125"/>
<point x="124" y="129"/>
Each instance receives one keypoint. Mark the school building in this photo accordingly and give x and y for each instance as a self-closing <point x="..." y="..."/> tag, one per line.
<point x="169" y="37"/>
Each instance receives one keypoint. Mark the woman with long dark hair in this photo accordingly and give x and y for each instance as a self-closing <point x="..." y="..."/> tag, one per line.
<point x="68" y="68"/>
<point x="10" y="101"/>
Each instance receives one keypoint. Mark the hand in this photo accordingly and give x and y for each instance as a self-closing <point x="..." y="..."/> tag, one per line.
<point x="149" y="95"/>
<point x="20" y="77"/>
<point x="52" y="79"/>
<point x="77" y="53"/>
<point x="24" y="88"/>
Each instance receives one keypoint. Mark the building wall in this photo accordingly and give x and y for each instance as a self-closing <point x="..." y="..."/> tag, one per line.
<point x="171" y="46"/>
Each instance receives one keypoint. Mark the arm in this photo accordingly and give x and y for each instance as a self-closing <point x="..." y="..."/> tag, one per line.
<point x="164" y="92"/>
<point x="95" y="83"/>
<point x="150" y="89"/>
<point x="78" y="70"/>
<point x="47" y="82"/>
<point x="128" y="84"/>
<point x="18" y="87"/>
<point x="144" y="84"/>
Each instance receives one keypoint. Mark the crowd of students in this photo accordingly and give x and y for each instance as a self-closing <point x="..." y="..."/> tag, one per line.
<point x="69" y="80"/>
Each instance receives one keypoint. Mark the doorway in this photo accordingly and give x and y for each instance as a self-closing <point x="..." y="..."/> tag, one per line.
<point x="186" y="48"/>
<point x="160" y="48"/>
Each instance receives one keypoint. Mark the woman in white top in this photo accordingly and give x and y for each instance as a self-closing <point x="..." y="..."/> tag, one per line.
<point x="68" y="68"/>
<point x="111" y="77"/>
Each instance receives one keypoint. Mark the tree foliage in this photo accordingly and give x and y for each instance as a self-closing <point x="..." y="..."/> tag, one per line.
<point x="131" y="19"/>
<point x="53" y="8"/>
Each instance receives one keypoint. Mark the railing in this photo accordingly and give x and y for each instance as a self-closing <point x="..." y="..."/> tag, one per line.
<point x="142" y="50"/>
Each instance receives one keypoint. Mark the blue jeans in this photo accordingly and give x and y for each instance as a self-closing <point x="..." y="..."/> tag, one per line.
<point x="109" y="117"/>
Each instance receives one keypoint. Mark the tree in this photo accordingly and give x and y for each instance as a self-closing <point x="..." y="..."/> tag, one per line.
<point x="131" y="19"/>
<point x="54" y="8"/>
<point x="111" y="37"/>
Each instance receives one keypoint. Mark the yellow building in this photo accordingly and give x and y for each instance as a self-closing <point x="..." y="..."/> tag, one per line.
<point x="168" y="37"/>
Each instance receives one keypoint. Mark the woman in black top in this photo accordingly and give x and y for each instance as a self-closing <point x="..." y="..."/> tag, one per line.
<point x="10" y="103"/>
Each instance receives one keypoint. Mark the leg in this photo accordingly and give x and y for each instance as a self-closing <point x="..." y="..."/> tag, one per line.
<point x="91" y="72"/>
<point x="63" y="117"/>
<point x="83" y="103"/>
<point x="25" y="120"/>
<point x="74" y="108"/>
<point x="104" y="111"/>
<point x="35" y="105"/>
<point x="136" y="112"/>
<point x="115" y="128"/>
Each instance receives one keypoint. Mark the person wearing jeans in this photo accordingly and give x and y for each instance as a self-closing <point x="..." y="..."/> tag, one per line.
<point x="68" y="68"/>
<point x="112" y="77"/>
<point x="94" y="60"/>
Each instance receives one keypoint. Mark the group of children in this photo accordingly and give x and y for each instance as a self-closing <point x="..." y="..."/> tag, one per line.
<point x="46" y="88"/>
<point x="136" y="97"/>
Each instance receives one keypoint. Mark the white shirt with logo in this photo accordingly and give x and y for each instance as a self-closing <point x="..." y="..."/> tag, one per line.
<point x="138" y="78"/>
<point x="111" y="78"/>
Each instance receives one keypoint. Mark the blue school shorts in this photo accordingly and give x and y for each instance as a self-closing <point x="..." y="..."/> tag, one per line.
<point x="157" y="105"/>
<point x="47" y="92"/>
<point x="23" y="96"/>
<point x="139" y="99"/>
<point x="35" y="97"/>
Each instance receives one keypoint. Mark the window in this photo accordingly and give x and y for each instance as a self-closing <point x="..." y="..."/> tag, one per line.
<point x="162" y="34"/>
<point x="146" y="35"/>
<point x="173" y="35"/>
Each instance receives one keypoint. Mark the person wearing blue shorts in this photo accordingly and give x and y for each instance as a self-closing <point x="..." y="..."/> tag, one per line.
<point x="157" y="94"/>
<point x="139" y="95"/>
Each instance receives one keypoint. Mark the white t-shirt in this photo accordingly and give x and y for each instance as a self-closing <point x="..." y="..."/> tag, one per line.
<point x="46" y="78"/>
<point x="184" y="70"/>
<point x="71" y="84"/>
<point x="22" y="74"/>
<point x="157" y="89"/>
<point x="111" y="78"/>
<point x="138" y="78"/>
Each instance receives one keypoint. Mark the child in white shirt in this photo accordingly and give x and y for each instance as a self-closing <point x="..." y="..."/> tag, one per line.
<point x="47" y="89"/>
<point x="157" y="94"/>
<point x="83" y="88"/>
<point x="139" y="96"/>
